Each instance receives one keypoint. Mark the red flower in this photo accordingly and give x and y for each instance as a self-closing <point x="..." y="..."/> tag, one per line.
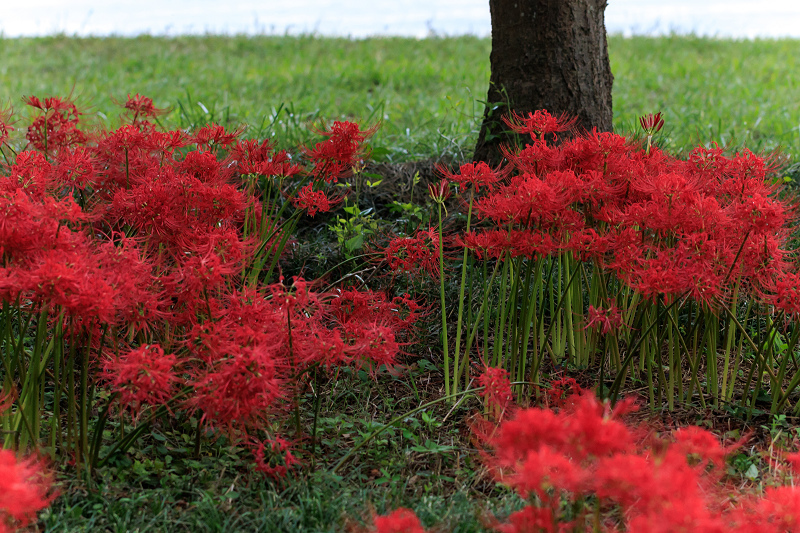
<point x="562" y="391"/>
<point x="274" y="457"/>
<point x="607" y="319"/>
<point x="651" y="123"/>
<point x="539" y="123"/>
<point x="497" y="392"/>
<point x="56" y="127"/>
<point x="74" y="168"/>
<point x="252" y="157"/>
<point x="142" y="376"/>
<point x="398" y="521"/>
<point x="476" y="175"/>
<point x="529" y="520"/>
<point x="142" y="108"/>
<point x="439" y="191"/>
<point x="214" y="135"/>
<point x="24" y="488"/>
<point x="340" y="152"/>
<point x="241" y="387"/>
<point x="5" y="125"/>
<point x="313" y="201"/>
<point x="417" y="253"/>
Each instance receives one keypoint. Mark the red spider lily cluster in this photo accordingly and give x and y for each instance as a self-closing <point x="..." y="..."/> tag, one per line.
<point x="663" y="225"/>
<point x="649" y="483"/>
<point x="627" y="231"/>
<point x="144" y="250"/>
<point x="582" y="468"/>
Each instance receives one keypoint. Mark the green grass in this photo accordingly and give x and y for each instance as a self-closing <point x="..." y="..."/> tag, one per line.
<point x="425" y="463"/>
<point x="427" y="93"/>
<point x="424" y="92"/>
<point x="735" y="93"/>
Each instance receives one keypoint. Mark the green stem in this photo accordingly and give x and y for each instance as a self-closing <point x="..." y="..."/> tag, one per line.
<point x="445" y="345"/>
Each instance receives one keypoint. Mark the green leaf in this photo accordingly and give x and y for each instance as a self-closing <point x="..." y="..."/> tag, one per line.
<point x="355" y="243"/>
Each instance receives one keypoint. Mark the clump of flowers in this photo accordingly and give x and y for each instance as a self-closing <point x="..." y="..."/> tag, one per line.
<point x="638" y="482"/>
<point x="24" y="491"/>
<point x="599" y="245"/>
<point x="152" y="258"/>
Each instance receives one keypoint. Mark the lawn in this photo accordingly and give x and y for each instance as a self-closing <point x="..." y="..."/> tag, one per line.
<point x="154" y="276"/>
<point x="426" y="93"/>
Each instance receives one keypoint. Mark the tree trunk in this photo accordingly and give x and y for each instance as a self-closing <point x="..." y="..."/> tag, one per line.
<point x="546" y="54"/>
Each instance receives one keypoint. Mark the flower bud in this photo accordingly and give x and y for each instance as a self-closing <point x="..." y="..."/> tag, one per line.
<point x="439" y="191"/>
<point x="651" y="123"/>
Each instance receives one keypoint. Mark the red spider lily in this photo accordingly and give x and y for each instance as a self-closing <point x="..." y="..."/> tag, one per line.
<point x="777" y="511"/>
<point x="274" y="457"/>
<point x="142" y="108"/>
<point x="398" y="521"/>
<point x="142" y="376"/>
<point x="30" y="172"/>
<point x="439" y="192"/>
<point x="335" y="157"/>
<point x="537" y="158"/>
<point x="158" y="239"/>
<point x="214" y="135"/>
<point x="372" y="343"/>
<point x="699" y="442"/>
<point x="497" y="392"/>
<point x="413" y="254"/>
<point x="166" y="142"/>
<point x="204" y="167"/>
<point x="661" y="485"/>
<point x="57" y="127"/>
<point x="369" y="306"/>
<point x="531" y="519"/>
<point x="562" y="392"/>
<point x="313" y="201"/>
<point x="539" y="123"/>
<point x="5" y="125"/>
<point x="24" y="491"/>
<point x="651" y="123"/>
<point x="239" y="390"/>
<point x="476" y="175"/>
<point x="252" y="157"/>
<point x="607" y="319"/>
<point x="527" y="200"/>
<point x="516" y="243"/>
<point x="52" y="103"/>
<point x="74" y="168"/>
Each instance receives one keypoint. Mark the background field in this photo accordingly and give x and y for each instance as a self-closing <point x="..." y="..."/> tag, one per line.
<point x="428" y="93"/>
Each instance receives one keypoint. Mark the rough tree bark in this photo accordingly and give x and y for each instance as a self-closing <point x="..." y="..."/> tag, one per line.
<point x="546" y="54"/>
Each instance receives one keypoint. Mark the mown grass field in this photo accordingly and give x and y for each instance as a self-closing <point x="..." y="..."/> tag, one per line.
<point x="427" y="93"/>
<point x="428" y="96"/>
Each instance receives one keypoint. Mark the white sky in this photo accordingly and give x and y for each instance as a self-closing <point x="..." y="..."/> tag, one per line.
<point x="360" y="18"/>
